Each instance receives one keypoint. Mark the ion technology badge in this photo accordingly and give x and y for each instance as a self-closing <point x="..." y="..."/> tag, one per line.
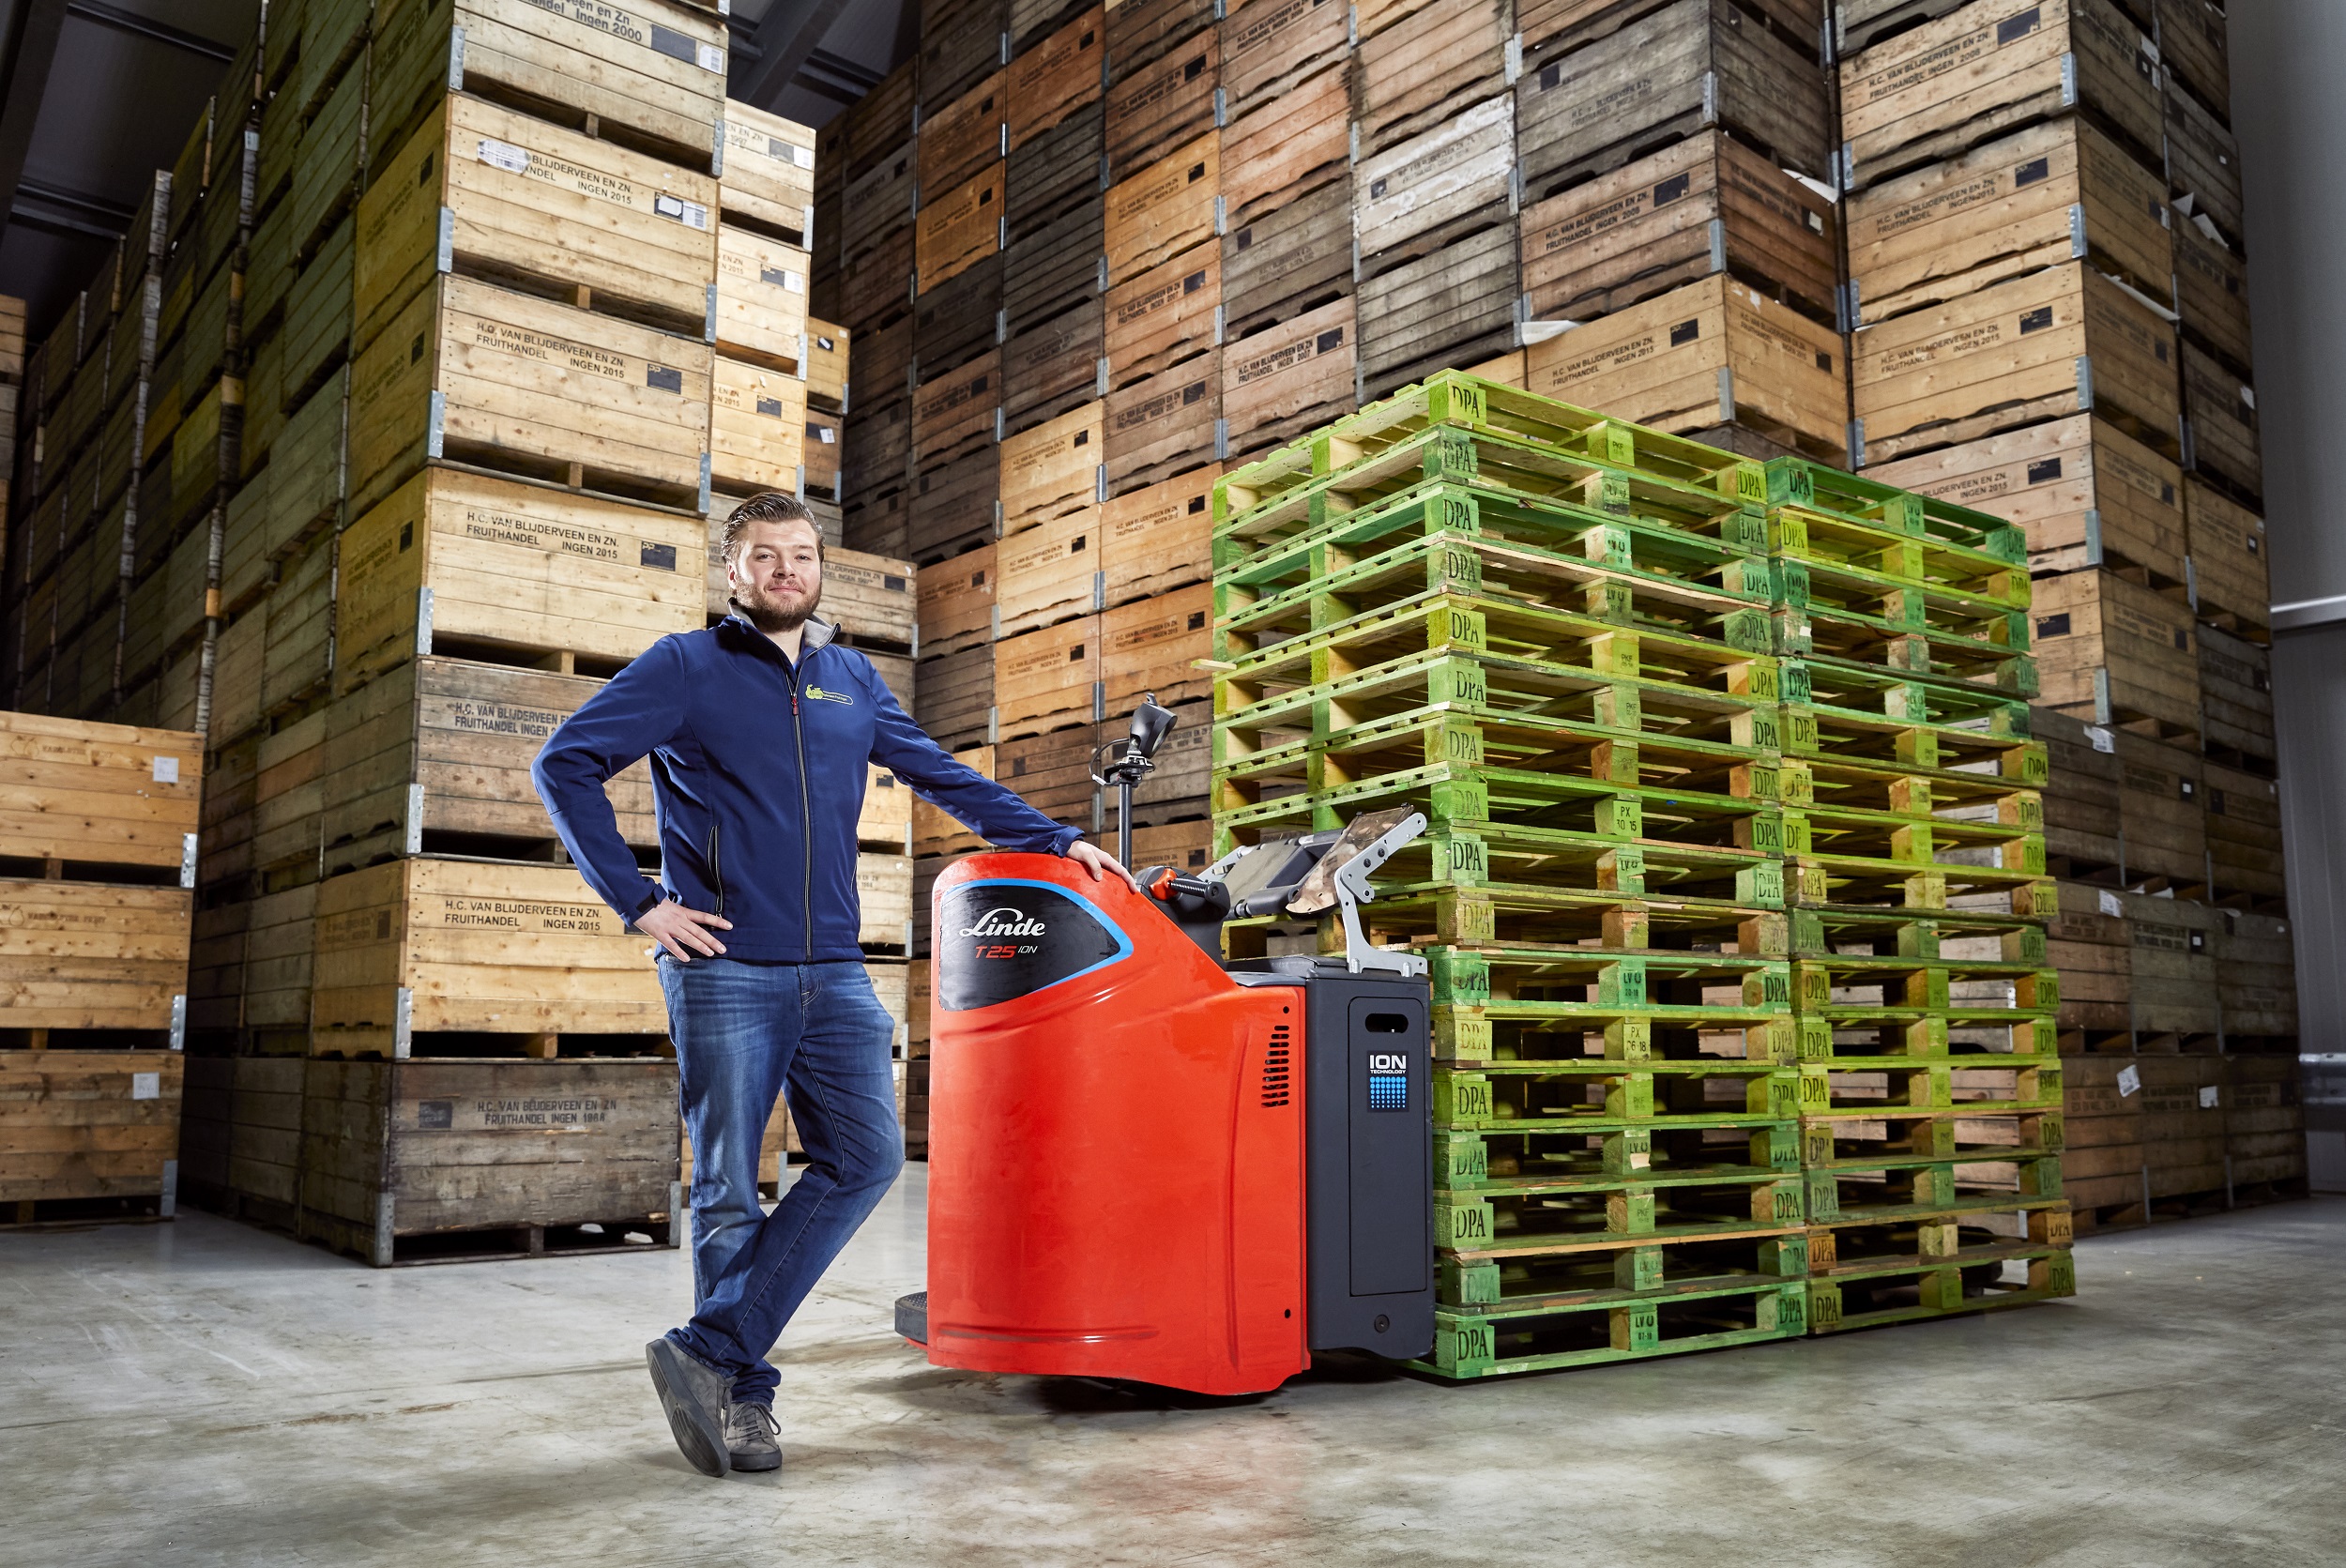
<point x="997" y="940"/>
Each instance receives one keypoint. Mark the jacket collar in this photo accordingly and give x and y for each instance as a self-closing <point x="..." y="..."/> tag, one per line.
<point x="818" y="632"/>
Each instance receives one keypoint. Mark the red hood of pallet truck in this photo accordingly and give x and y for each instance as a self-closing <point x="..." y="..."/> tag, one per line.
<point x="1116" y="1140"/>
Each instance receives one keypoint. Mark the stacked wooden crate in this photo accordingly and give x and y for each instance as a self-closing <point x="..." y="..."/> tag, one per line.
<point x="2046" y="264"/>
<point x="11" y="398"/>
<point x="97" y="848"/>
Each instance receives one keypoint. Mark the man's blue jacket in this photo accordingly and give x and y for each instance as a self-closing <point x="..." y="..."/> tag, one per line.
<point x="758" y="778"/>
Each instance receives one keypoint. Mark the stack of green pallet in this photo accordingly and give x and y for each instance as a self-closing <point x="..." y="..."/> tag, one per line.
<point x="1550" y="632"/>
<point x="1930" y="1083"/>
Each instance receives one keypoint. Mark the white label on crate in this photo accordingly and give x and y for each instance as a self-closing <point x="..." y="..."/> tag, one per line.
<point x="825" y="433"/>
<point x="2100" y="738"/>
<point x="146" y="1085"/>
<point x="2129" y="1080"/>
<point x="505" y="156"/>
<point x="801" y="156"/>
<point x="2112" y="904"/>
<point x="712" y="57"/>
<point x="691" y="213"/>
<point x="2209" y="1095"/>
<point x="166" y="769"/>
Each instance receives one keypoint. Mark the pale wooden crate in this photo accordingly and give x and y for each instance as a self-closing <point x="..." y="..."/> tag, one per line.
<point x="653" y="73"/>
<point x="505" y="196"/>
<point x="1169" y="313"/>
<point x="1048" y="573"/>
<point x="395" y="1151"/>
<point x="957" y="597"/>
<point x="101" y="794"/>
<point x="526" y="386"/>
<point x="827" y="357"/>
<point x="2229" y="569"/>
<point x="960" y="228"/>
<point x="92" y="955"/>
<point x="517" y="566"/>
<point x="769" y="174"/>
<point x="1159" y="538"/>
<point x="1271" y="46"/>
<point x="873" y="599"/>
<point x="2004" y="209"/>
<point x="2063" y="341"/>
<point x="1457" y="168"/>
<point x="1046" y="679"/>
<point x="1711" y="353"/>
<point x="424" y="944"/>
<point x="934" y="831"/>
<point x="1153" y="645"/>
<point x="1289" y="378"/>
<point x="1052" y="469"/>
<point x="1428" y="68"/>
<point x="1056" y="75"/>
<point x="1708" y="203"/>
<point x="761" y="299"/>
<point x="756" y="427"/>
<point x="1935" y="91"/>
<point x="883" y="886"/>
<point x="1165" y="208"/>
<point x="885" y="821"/>
<point x="2083" y="491"/>
<point x="89" y="1124"/>
<point x="2111" y="651"/>
<point x="444" y="746"/>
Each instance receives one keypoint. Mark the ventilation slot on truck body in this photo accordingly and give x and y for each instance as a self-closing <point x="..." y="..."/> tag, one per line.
<point x="1275" y="1081"/>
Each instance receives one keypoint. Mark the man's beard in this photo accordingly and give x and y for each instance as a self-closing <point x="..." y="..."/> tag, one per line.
<point x="771" y="618"/>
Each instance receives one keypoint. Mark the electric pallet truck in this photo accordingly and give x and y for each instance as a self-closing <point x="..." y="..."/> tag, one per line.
<point x="1147" y="1164"/>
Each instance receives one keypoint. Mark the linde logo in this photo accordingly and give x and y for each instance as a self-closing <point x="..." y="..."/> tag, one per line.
<point x="1005" y="922"/>
<point x="1380" y="1063"/>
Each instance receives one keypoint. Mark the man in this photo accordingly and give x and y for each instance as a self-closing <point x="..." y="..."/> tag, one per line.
<point x="758" y="730"/>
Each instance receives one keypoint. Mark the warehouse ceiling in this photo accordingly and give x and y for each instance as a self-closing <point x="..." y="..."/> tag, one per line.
<point x="97" y="94"/>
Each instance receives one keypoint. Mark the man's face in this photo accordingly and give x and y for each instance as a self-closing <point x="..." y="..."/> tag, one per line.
<point x="777" y="574"/>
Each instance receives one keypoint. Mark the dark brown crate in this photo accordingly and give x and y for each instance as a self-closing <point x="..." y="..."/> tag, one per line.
<point x="2195" y="51"/>
<point x="1461" y="168"/>
<point x="2212" y="294"/>
<point x="1057" y="74"/>
<point x="2229" y="571"/>
<point x="2220" y="437"/>
<point x="879" y="201"/>
<point x="1692" y="64"/>
<point x="2080" y="796"/>
<point x="1165" y="208"/>
<point x="1052" y="368"/>
<point x="2203" y="164"/>
<point x="959" y="228"/>
<point x="1140" y="32"/>
<point x="2237" y="697"/>
<point x="1165" y="316"/>
<point x="1267" y="46"/>
<point x="1287" y="379"/>
<point x="878" y="522"/>
<point x="2161" y="812"/>
<point x="1549" y="27"/>
<point x="1450" y="307"/>
<point x="2244" y="834"/>
<point x="1175" y="792"/>
<point x="1286" y="146"/>
<point x="966" y="135"/>
<point x="1427" y="67"/>
<point x="960" y="319"/>
<point x="1705" y="205"/>
<point x="955" y="503"/>
<point x="881" y="120"/>
<point x="1033" y="22"/>
<point x="1056" y="173"/>
<point x="961" y="41"/>
<point x="1052" y="774"/>
<point x="877" y="288"/>
<point x="953" y="413"/>
<point x="1050" y="270"/>
<point x="1292" y="259"/>
<point x="1162" y="426"/>
<point x="1158" y="106"/>
<point x="879" y="364"/>
<point x="879" y="455"/>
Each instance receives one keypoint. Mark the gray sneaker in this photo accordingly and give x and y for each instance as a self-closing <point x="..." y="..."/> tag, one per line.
<point x="751" y="1437"/>
<point x="694" y="1396"/>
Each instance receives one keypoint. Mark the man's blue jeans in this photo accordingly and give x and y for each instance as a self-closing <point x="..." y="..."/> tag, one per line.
<point x="744" y="1034"/>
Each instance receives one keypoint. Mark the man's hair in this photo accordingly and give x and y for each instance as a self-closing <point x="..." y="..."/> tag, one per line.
<point x="774" y="506"/>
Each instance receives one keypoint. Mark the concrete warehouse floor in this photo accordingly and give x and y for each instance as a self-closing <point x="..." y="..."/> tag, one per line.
<point x="204" y="1393"/>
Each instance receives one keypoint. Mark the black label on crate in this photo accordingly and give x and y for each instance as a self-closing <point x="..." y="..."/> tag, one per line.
<point x="2044" y="470"/>
<point x="660" y="556"/>
<point x="2053" y="626"/>
<point x="769" y="408"/>
<point x="2030" y="172"/>
<point x="659" y="378"/>
<point x="2036" y="320"/>
<point x="1671" y="189"/>
<point x="1684" y="332"/>
<point x="2015" y="27"/>
<point x="435" y="1115"/>
<point x="675" y="46"/>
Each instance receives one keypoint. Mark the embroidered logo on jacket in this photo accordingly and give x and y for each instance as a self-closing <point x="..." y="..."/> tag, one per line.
<point x="819" y="695"/>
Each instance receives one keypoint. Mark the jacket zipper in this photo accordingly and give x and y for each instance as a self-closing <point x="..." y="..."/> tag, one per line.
<point x="716" y="870"/>
<point x="806" y="812"/>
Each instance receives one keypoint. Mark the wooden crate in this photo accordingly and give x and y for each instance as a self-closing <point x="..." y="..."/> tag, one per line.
<point x="507" y="197"/>
<point x="94" y="955"/>
<point x="881" y="459"/>
<point x="885" y="821"/>
<point x="876" y="288"/>
<point x="2110" y="651"/>
<point x="829" y="349"/>
<point x="2086" y="493"/>
<point x="879" y="205"/>
<point x="1164" y="425"/>
<point x="2220" y="436"/>
<point x="756" y="427"/>
<point x="2203" y="165"/>
<point x="395" y="1154"/>
<point x="1052" y="368"/>
<point x="2194" y="48"/>
<point x="1165" y="208"/>
<point x="1056" y="75"/>
<point x="2229" y="572"/>
<point x="315" y="340"/>
<point x="435" y="755"/>
<point x="965" y="136"/>
<point x="1270" y="46"/>
<point x="1452" y="305"/>
<point x="1055" y="172"/>
<point x="959" y="320"/>
<point x="2257" y="985"/>
<point x="1285" y="147"/>
<point x="1143" y="31"/>
<point x="1046" y="679"/>
<point x="2087" y="942"/>
<point x="653" y="73"/>
<point x="1048" y="573"/>
<point x="526" y="386"/>
<point x="428" y="945"/>
<point x="1153" y="645"/>
<point x="1054" y="468"/>
<point x="960" y="227"/>
<point x="1159" y="538"/>
<point x="1426" y="68"/>
<point x="289" y="793"/>
<point x="957" y="412"/>
<point x="872" y="601"/>
<point x="1291" y="260"/>
<point x="1711" y="353"/>
<point x="2049" y="194"/>
<point x="883" y="886"/>
<point x="1155" y="107"/>
<point x="1158" y="318"/>
<point x="956" y="601"/>
<point x="1688" y="65"/>
<point x="953" y="698"/>
<point x="1705" y="205"/>
<point x="1289" y="378"/>
<point x="768" y="173"/>
<point x="1460" y="167"/>
<point x="947" y="508"/>
<point x="2161" y="813"/>
<point x="881" y="120"/>
<point x="329" y="165"/>
<point x="761" y="300"/>
<point x="934" y="831"/>
<point x="1988" y="68"/>
<point x="2243" y="841"/>
<point x="1055" y="265"/>
<point x="2212" y="294"/>
<point x="89" y="1124"/>
<point x="2171" y="984"/>
<point x="93" y="794"/>
<point x="960" y="41"/>
<point x="1052" y="774"/>
<point x="2236" y="699"/>
<point x="2063" y="341"/>
<point x="512" y="567"/>
<point x="1175" y="792"/>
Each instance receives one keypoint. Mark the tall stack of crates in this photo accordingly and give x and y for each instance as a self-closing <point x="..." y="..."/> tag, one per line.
<point x="2046" y="275"/>
<point x="1685" y="887"/>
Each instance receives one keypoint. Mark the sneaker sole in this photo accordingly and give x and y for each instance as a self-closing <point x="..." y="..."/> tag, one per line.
<point x="699" y="1439"/>
<point x="750" y="1464"/>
